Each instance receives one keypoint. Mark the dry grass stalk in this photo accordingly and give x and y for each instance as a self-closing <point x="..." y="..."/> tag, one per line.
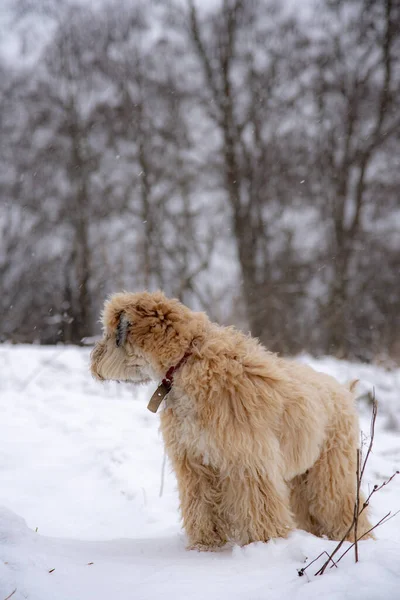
<point x="361" y="465"/>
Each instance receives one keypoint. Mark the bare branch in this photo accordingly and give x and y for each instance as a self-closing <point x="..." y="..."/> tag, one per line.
<point x="199" y="44"/>
<point x="382" y="521"/>
<point x="303" y="570"/>
<point x="357" y="510"/>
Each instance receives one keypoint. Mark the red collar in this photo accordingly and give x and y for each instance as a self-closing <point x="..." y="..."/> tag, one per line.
<point x="169" y="376"/>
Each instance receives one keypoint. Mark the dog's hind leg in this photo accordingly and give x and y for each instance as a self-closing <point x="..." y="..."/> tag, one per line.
<point x="300" y="504"/>
<point x="328" y="489"/>
<point x="200" y="498"/>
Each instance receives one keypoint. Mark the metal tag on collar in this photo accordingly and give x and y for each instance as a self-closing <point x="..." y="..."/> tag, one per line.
<point x="158" y="397"/>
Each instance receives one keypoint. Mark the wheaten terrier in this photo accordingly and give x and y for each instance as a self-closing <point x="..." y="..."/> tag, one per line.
<point x="259" y="444"/>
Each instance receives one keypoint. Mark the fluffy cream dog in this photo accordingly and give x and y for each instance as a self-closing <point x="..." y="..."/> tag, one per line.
<point x="260" y="445"/>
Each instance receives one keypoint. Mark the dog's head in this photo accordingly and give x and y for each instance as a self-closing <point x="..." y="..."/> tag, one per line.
<point x="144" y="334"/>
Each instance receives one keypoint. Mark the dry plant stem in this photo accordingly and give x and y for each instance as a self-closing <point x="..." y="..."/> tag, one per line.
<point x="322" y="570"/>
<point x="384" y="520"/>
<point x="302" y="571"/>
<point x="12" y="594"/>
<point x="163" y="475"/>
<point x="372" y="434"/>
<point x="359" y="475"/>
<point x="357" y="505"/>
<point x="376" y="488"/>
<point x="357" y="510"/>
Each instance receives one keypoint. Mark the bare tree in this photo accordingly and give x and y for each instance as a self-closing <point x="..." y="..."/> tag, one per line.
<point x="103" y="175"/>
<point x="246" y="61"/>
<point x="229" y="155"/>
<point x="356" y="91"/>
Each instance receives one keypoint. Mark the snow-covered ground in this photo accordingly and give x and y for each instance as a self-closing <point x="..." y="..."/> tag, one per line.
<point x="81" y="514"/>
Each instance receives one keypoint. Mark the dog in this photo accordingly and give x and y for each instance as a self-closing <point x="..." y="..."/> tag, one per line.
<point x="260" y="444"/>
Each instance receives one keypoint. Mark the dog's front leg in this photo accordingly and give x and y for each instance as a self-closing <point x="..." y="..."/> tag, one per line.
<point x="200" y="497"/>
<point x="257" y="505"/>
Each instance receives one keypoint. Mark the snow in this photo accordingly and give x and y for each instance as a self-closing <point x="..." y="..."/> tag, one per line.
<point x="80" y="474"/>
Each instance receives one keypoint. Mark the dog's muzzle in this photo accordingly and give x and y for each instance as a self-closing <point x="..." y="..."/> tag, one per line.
<point x="96" y="356"/>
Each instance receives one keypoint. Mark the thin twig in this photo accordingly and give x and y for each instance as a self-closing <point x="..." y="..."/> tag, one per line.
<point x="361" y="466"/>
<point x="302" y="571"/>
<point x="372" y="433"/>
<point x="359" y="474"/>
<point x="384" y="520"/>
<point x="357" y="511"/>
<point x="12" y="594"/>
<point x="357" y="505"/>
<point x="322" y="570"/>
<point x="379" y="487"/>
<point x="375" y="489"/>
<point x="163" y="475"/>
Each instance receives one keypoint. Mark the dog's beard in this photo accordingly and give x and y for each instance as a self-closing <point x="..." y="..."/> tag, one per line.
<point x="113" y="363"/>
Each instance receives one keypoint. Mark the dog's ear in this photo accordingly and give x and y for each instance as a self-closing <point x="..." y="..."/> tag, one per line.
<point x="163" y="318"/>
<point x="116" y="319"/>
<point x="133" y="317"/>
<point x="156" y="307"/>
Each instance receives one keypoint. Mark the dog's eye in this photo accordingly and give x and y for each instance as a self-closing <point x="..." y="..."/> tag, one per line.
<point x="121" y="331"/>
<point x="118" y="336"/>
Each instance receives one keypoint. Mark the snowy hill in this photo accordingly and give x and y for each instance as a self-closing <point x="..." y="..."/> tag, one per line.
<point x="82" y="517"/>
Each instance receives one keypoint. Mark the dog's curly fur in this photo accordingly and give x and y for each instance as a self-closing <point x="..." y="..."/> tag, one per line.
<point x="259" y="444"/>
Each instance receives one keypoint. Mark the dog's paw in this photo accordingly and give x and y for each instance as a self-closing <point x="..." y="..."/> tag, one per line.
<point x="199" y="547"/>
